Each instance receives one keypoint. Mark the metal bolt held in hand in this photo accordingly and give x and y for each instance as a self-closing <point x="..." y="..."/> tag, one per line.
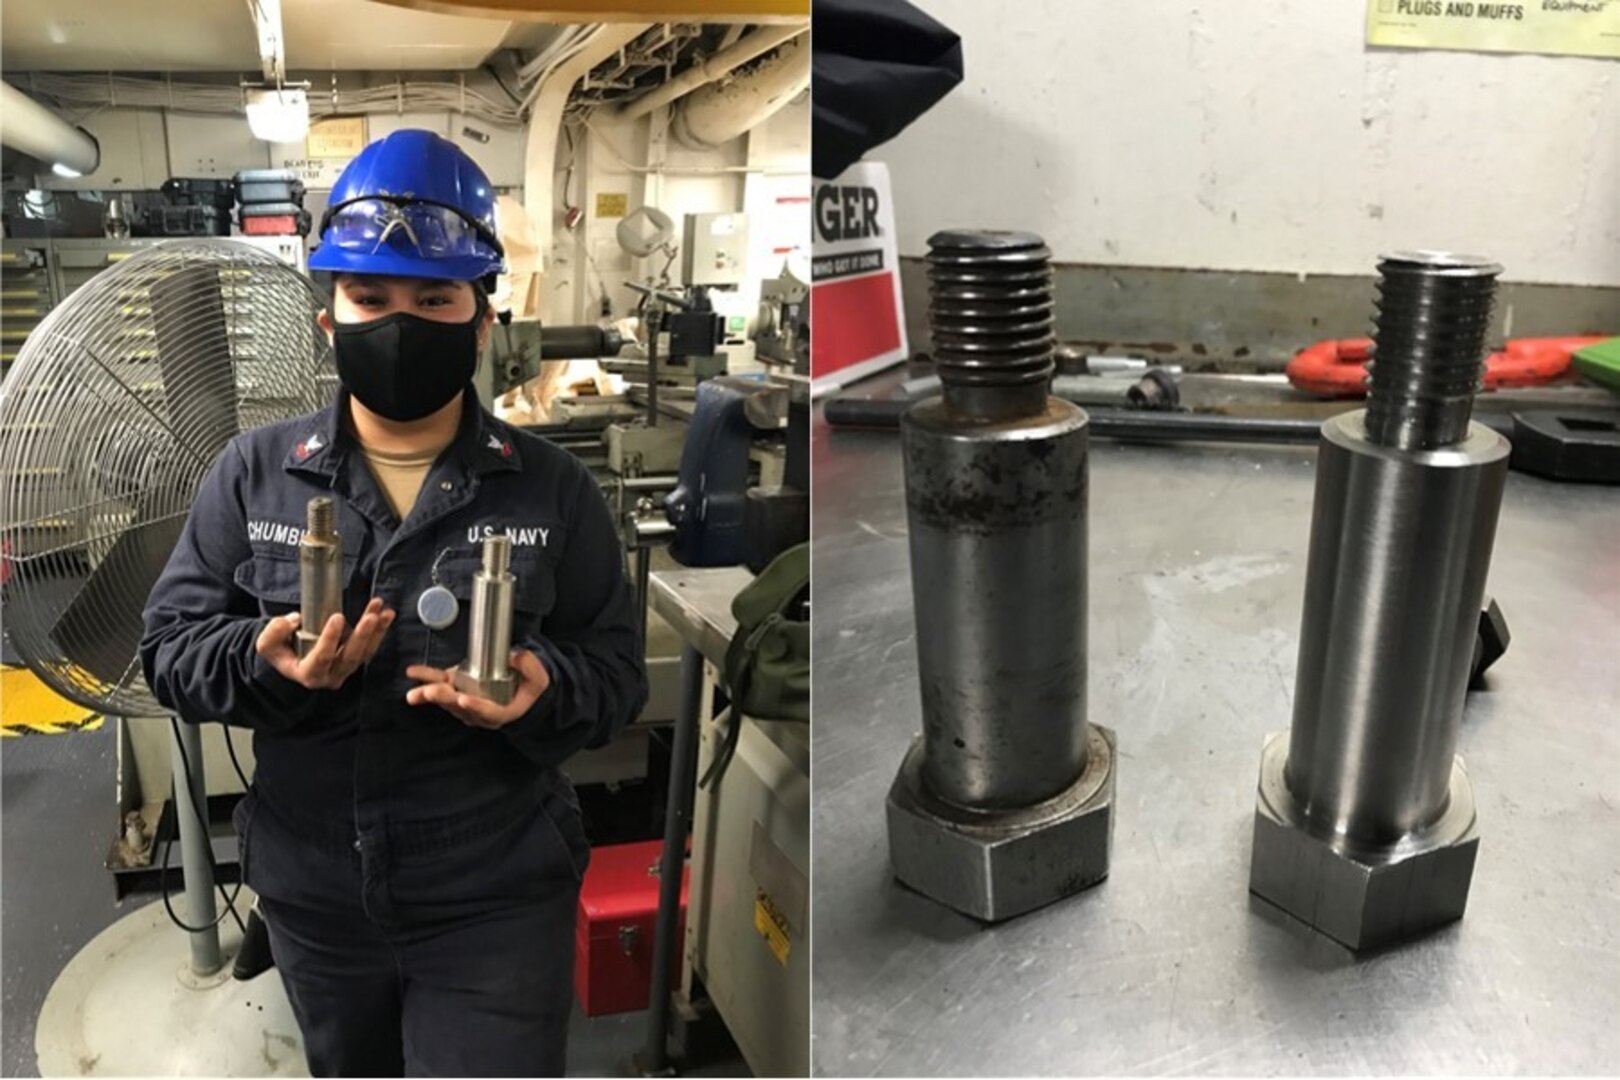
<point x="320" y="573"/>
<point x="487" y="671"/>
<point x="1364" y="827"/>
<point x="1004" y="803"/>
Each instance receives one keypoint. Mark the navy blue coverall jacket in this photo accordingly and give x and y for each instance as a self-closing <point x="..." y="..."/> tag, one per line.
<point x="359" y="763"/>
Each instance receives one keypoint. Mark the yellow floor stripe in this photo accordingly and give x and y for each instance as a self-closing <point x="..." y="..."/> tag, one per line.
<point x="29" y="707"/>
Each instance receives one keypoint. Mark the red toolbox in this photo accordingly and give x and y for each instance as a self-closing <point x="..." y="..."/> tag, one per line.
<point x="613" y="934"/>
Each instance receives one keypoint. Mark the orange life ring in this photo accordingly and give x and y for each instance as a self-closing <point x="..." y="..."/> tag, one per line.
<point x="1337" y="368"/>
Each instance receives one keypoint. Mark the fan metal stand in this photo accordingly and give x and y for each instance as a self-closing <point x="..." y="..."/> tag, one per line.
<point x="128" y="1005"/>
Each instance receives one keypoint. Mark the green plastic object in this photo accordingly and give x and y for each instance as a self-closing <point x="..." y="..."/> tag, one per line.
<point x="1601" y="363"/>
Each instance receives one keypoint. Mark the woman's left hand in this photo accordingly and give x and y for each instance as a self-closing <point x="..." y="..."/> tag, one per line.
<point x="437" y="689"/>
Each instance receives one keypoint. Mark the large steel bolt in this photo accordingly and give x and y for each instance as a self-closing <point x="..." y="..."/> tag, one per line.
<point x="320" y="573"/>
<point x="1003" y="804"/>
<point x="487" y="671"/>
<point x="1365" y="826"/>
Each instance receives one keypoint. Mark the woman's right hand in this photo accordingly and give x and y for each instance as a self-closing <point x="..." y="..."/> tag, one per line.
<point x="332" y="660"/>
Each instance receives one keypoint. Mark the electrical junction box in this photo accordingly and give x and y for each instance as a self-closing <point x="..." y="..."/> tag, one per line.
<point x="715" y="249"/>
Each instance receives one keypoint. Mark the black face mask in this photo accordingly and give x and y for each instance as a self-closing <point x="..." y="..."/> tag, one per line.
<point x="404" y="367"/>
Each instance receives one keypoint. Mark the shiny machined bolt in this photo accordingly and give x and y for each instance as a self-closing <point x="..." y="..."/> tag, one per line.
<point x="487" y="671"/>
<point x="1365" y="823"/>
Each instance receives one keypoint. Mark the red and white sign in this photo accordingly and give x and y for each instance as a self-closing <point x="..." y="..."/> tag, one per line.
<point x="858" y="318"/>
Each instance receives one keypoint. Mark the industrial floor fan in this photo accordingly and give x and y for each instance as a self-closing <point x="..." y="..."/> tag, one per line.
<point x="115" y="408"/>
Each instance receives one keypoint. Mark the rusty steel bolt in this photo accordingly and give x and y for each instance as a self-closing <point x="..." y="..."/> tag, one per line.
<point x="320" y="573"/>
<point x="1005" y="802"/>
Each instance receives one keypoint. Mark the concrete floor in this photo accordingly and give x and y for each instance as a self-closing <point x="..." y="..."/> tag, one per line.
<point x="56" y="818"/>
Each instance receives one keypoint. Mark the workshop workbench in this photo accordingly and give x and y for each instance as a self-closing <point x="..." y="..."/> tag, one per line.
<point x="1196" y="583"/>
<point x="750" y="841"/>
<point x="697" y="606"/>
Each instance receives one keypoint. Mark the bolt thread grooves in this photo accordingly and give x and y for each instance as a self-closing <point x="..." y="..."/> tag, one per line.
<point x="991" y="308"/>
<point x="1434" y="312"/>
<point x="497" y="555"/>
<point x="320" y="518"/>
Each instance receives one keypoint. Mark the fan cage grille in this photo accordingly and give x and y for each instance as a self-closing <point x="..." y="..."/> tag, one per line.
<point x="116" y="407"/>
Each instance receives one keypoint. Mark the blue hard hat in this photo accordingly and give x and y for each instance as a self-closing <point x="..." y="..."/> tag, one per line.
<point x="411" y="204"/>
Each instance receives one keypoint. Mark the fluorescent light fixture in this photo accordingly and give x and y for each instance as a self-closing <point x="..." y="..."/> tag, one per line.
<point x="280" y="116"/>
<point x="66" y="171"/>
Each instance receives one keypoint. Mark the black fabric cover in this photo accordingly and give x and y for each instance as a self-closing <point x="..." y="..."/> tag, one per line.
<point x="878" y="65"/>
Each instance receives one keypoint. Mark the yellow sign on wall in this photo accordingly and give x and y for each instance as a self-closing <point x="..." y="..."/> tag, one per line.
<point x="1555" y="27"/>
<point x="339" y="137"/>
<point x="773" y="927"/>
<point x="612" y="204"/>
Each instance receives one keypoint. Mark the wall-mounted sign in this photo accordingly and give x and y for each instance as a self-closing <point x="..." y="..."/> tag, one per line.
<point x="611" y="204"/>
<point x="1556" y="27"/>
<point x="854" y="278"/>
<point x="318" y="174"/>
<point x="335" y="138"/>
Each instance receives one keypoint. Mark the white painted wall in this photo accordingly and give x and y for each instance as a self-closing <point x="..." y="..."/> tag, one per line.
<point x="765" y="173"/>
<point x="141" y="148"/>
<point x="1261" y="136"/>
<point x="757" y="173"/>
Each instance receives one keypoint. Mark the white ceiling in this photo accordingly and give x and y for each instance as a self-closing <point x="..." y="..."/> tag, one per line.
<point x="217" y="35"/>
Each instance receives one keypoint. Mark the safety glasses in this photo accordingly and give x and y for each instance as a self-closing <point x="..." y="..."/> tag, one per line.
<point x="429" y="230"/>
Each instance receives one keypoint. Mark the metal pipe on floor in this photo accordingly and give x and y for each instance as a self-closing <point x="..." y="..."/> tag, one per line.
<point x="653" y="1059"/>
<point x="196" y="852"/>
<point x="1112" y="389"/>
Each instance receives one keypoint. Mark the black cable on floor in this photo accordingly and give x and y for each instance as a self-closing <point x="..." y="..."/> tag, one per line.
<point x="230" y="748"/>
<point x="202" y="819"/>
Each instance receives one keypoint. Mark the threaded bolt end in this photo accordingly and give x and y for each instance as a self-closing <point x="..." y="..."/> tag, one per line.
<point x="1434" y="312"/>
<point x="497" y="555"/>
<point x="320" y="518"/>
<point x="991" y="315"/>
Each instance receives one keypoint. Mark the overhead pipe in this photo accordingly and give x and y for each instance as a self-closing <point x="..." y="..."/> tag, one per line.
<point x="566" y="37"/>
<point x="545" y="128"/>
<point x="707" y="71"/>
<point x="721" y="112"/>
<point x="29" y="127"/>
